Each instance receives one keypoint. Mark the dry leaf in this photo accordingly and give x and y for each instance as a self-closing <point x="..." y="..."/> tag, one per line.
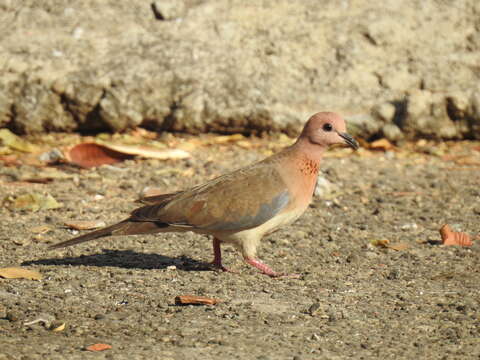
<point x="58" y="328"/>
<point x="226" y="138"/>
<point x="42" y="229"/>
<point x="382" y="145"/>
<point x="380" y="243"/>
<point x="149" y="151"/>
<point x="98" y="347"/>
<point x="450" y="237"/>
<point x="85" y="225"/>
<point x="195" y="300"/>
<point x="34" y="202"/>
<point x="10" y="160"/>
<point x="14" y="142"/>
<point x="88" y="155"/>
<point x="19" y="273"/>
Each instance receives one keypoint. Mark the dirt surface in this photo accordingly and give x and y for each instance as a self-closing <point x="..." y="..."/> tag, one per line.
<point x="354" y="300"/>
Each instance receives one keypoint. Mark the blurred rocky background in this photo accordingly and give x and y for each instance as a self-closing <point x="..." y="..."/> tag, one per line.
<point x="395" y="69"/>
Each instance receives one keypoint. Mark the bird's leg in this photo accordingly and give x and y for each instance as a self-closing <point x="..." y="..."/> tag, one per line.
<point x="217" y="257"/>
<point x="265" y="269"/>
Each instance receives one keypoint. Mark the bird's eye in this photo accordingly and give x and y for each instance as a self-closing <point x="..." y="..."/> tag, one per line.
<point x="328" y="127"/>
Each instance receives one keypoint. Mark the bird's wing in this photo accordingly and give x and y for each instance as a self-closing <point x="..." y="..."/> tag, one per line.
<point x="237" y="201"/>
<point x="157" y="199"/>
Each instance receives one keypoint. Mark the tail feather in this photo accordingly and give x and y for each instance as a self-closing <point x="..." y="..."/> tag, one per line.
<point x="125" y="227"/>
<point x="107" y="231"/>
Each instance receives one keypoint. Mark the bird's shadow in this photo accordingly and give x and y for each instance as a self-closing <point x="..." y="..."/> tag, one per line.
<point x="126" y="259"/>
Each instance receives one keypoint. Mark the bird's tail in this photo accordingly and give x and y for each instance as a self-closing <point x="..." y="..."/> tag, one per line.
<point x="125" y="227"/>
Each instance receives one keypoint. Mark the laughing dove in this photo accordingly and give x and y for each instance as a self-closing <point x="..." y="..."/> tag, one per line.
<point x="241" y="207"/>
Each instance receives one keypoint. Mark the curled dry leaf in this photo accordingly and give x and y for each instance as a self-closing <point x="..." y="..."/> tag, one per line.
<point x="149" y="151"/>
<point x="57" y="327"/>
<point x="88" y="155"/>
<point x="380" y="243"/>
<point x="386" y="244"/>
<point x="450" y="237"/>
<point x="19" y="273"/>
<point x="195" y="300"/>
<point x="85" y="225"/>
<point x="98" y="347"/>
<point x="382" y="145"/>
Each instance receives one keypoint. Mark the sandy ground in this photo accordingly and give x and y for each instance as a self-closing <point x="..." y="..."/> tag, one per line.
<point x="354" y="300"/>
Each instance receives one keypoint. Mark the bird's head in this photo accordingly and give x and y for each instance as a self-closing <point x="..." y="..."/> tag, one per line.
<point x="325" y="129"/>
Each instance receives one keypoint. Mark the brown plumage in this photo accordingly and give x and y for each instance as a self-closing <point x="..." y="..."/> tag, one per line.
<point x="243" y="206"/>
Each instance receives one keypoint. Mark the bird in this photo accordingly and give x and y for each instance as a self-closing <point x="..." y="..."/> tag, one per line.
<point x="243" y="206"/>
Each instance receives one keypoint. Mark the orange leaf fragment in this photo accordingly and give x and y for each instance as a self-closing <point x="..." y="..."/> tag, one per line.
<point x="382" y="145"/>
<point x="450" y="237"/>
<point x="380" y="243"/>
<point x="98" y="347"/>
<point x="195" y="300"/>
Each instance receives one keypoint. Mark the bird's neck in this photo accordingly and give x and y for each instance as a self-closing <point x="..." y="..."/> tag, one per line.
<point x="308" y="155"/>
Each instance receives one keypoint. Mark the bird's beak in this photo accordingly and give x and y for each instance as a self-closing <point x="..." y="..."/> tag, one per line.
<point x="350" y="141"/>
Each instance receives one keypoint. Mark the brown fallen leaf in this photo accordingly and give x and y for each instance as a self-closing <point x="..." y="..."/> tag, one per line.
<point x="450" y="237"/>
<point x="98" y="347"/>
<point x="195" y="300"/>
<point x="85" y="225"/>
<point x="19" y="273"/>
<point x="88" y="155"/>
<point x="10" y="160"/>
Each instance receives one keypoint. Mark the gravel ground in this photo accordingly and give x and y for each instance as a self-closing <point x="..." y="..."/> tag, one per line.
<point x="354" y="299"/>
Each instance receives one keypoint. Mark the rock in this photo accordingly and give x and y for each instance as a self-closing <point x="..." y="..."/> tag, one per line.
<point x="325" y="189"/>
<point x="236" y="67"/>
<point x="427" y="115"/>
<point x="385" y="112"/>
<point x="364" y="125"/>
<point x="392" y="132"/>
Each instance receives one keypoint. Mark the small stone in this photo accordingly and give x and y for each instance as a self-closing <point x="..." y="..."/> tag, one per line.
<point x="11" y="316"/>
<point x="314" y="308"/>
<point x="393" y="275"/>
<point x="99" y="317"/>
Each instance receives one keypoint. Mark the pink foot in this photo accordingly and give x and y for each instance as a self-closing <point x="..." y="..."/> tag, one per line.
<point x="217" y="258"/>
<point x="265" y="269"/>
